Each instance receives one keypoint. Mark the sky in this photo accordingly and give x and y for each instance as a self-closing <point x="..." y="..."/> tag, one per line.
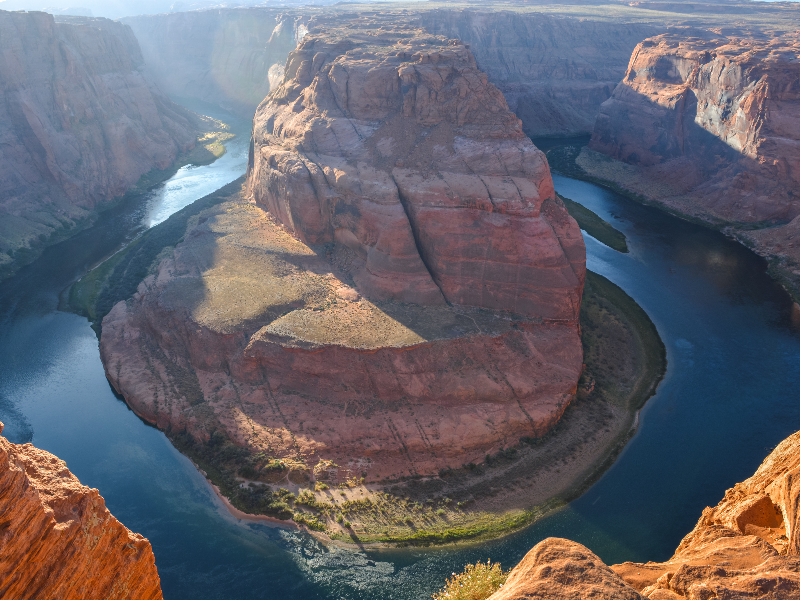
<point x="116" y="9"/>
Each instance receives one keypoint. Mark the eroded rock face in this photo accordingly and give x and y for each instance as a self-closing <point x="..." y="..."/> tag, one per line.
<point x="748" y="546"/>
<point x="717" y="119"/>
<point x="409" y="157"/>
<point x="58" y="540"/>
<point x="400" y="296"/>
<point x="554" y="72"/>
<point x="558" y="569"/>
<point x="79" y="124"/>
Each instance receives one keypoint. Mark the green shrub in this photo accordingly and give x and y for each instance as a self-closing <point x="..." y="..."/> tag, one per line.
<point x="477" y="582"/>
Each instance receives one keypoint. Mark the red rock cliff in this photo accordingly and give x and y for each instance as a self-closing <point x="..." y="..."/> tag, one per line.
<point x="79" y="123"/>
<point x="58" y="540"/>
<point x="748" y="546"/>
<point x="718" y="119"/>
<point x="401" y="297"/>
<point x="409" y="157"/>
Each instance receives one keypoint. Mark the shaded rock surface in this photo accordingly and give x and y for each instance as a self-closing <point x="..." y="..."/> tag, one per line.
<point x="748" y="546"/>
<point x="80" y="122"/>
<point x="393" y="317"/>
<point x="227" y="57"/>
<point x="718" y="120"/>
<point x="58" y="540"/>
<point x="555" y="72"/>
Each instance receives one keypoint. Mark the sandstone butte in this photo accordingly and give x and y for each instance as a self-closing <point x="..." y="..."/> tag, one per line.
<point x="80" y="122"/>
<point x="398" y="293"/>
<point x="713" y="128"/>
<point x="58" y="540"/>
<point x="748" y="546"/>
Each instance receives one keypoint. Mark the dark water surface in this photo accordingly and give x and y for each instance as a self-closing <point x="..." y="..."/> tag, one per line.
<point x="730" y="395"/>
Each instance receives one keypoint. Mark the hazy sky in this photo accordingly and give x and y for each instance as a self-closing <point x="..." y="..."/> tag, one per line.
<point x="115" y="9"/>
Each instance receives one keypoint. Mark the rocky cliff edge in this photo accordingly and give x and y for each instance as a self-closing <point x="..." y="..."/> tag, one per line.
<point x="748" y="546"/>
<point x="58" y="540"/>
<point x="80" y="122"/>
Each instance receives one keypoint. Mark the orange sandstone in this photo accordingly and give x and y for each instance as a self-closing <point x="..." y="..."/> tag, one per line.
<point x="59" y="541"/>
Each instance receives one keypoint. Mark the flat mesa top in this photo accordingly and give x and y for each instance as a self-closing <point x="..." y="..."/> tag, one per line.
<point x="239" y="272"/>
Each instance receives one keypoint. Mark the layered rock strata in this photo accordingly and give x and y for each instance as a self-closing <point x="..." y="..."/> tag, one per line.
<point x="711" y="128"/>
<point x="80" y="122"/>
<point x="57" y="538"/>
<point x="555" y="72"/>
<point x="718" y="120"/>
<point x="747" y="546"/>
<point x="401" y="295"/>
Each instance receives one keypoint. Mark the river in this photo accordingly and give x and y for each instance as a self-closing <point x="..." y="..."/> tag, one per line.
<point x="729" y="396"/>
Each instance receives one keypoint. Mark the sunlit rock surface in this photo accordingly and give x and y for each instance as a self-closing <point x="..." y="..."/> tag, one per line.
<point x="400" y="296"/>
<point x="58" y="540"/>
<point x="748" y="546"/>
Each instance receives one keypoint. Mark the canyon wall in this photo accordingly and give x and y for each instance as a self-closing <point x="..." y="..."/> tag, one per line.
<point x="555" y="72"/>
<point x="80" y="122"/>
<point x="226" y="57"/>
<point x="399" y="295"/>
<point x="58" y="540"/>
<point x="748" y="546"/>
<point x="718" y="119"/>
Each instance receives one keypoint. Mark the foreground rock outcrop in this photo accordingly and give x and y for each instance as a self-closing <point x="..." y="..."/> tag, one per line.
<point x="58" y="540"/>
<point x="80" y="122"/>
<point x="748" y="546"/>
<point x="401" y="296"/>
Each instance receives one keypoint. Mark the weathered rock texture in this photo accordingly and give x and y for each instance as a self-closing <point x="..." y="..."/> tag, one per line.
<point x="558" y="569"/>
<point x="748" y="546"/>
<point x="554" y="72"/>
<point x="410" y="300"/>
<point x="79" y="124"/>
<point x="717" y="120"/>
<point x="58" y="540"/>
<point x="227" y="57"/>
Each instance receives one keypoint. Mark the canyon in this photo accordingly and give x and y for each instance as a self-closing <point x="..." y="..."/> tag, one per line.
<point x="710" y="127"/>
<point x="80" y="123"/>
<point x="57" y="538"/>
<point x="554" y="72"/>
<point x="340" y="317"/>
<point x="747" y="546"/>
<point x="393" y="291"/>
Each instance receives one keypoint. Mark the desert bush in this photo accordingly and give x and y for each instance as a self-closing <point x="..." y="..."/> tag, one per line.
<point x="477" y="582"/>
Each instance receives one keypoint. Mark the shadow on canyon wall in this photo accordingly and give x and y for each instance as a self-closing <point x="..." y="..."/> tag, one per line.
<point x="682" y="158"/>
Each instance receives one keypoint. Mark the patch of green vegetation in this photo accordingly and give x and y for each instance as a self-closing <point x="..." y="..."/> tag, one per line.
<point x="116" y="279"/>
<point x="596" y="227"/>
<point x="476" y="582"/>
<point x="218" y="458"/>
